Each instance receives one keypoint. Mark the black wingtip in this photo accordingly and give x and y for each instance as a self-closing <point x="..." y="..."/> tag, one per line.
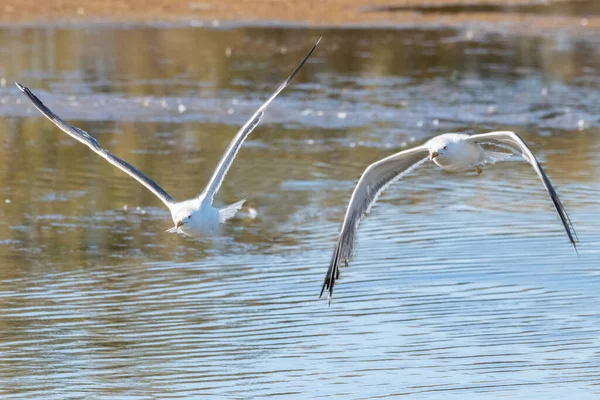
<point x="327" y="284"/>
<point x="575" y="240"/>
<point x="25" y="90"/>
<point x="289" y="79"/>
<point x="572" y="235"/>
<point x="569" y="229"/>
<point x="323" y="287"/>
<point x="28" y="93"/>
<point x="37" y="102"/>
<point x="560" y="209"/>
<point x="332" y="272"/>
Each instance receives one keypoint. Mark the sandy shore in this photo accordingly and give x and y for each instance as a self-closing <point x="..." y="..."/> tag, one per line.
<point x="314" y="12"/>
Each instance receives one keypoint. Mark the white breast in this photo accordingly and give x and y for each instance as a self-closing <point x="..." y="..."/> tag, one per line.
<point x="204" y="220"/>
<point x="460" y="156"/>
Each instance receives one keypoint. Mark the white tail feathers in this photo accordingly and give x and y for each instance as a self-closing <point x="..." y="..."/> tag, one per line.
<point x="229" y="211"/>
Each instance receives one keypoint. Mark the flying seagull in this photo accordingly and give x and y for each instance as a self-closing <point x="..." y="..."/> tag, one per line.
<point x="451" y="152"/>
<point x="191" y="217"/>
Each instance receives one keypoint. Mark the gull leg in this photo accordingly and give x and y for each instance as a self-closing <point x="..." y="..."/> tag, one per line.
<point x="478" y="170"/>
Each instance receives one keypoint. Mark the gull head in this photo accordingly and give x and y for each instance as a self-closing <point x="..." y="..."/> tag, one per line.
<point x="182" y="218"/>
<point x="452" y="152"/>
<point x="440" y="149"/>
<point x="180" y="225"/>
<point x="448" y="145"/>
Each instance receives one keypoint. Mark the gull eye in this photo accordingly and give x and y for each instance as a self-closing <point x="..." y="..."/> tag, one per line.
<point x="445" y="147"/>
<point x="190" y="216"/>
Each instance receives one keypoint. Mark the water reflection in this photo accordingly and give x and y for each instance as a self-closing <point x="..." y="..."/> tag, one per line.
<point x="461" y="286"/>
<point x="584" y="8"/>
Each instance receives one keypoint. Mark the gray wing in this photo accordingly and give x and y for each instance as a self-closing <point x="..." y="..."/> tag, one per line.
<point x="93" y="144"/>
<point x="371" y="184"/>
<point x="229" y="155"/>
<point x="512" y="141"/>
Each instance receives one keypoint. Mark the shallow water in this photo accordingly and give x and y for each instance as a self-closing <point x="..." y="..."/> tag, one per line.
<point x="462" y="286"/>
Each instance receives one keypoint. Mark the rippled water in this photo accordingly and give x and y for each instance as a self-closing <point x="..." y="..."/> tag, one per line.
<point x="463" y="286"/>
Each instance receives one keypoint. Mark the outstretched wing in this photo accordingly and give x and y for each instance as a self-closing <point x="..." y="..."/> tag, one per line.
<point x="93" y="144"/>
<point x="512" y="141"/>
<point x="217" y="179"/>
<point x="372" y="182"/>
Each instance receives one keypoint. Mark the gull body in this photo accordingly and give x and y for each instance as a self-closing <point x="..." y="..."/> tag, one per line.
<point x="451" y="152"/>
<point x="191" y="217"/>
<point x="198" y="216"/>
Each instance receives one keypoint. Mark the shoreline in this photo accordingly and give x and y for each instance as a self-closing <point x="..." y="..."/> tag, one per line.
<point x="518" y="17"/>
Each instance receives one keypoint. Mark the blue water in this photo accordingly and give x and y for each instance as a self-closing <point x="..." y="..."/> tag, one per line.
<point x="462" y="286"/>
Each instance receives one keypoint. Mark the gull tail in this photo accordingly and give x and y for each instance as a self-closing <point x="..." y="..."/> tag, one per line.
<point x="229" y="211"/>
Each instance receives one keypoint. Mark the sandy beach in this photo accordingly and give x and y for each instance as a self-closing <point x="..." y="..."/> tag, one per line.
<point x="523" y="15"/>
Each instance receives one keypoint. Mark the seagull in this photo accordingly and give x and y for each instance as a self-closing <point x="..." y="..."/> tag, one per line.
<point x="450" y="152"/>
<point x="192" y="217"/>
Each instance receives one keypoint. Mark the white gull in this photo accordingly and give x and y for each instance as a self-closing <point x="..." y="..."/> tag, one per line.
<point x="195" y="216"/>
<point x="451" y="152"/>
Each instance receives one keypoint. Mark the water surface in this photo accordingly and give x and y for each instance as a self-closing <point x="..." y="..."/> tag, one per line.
<point x="462" y="286"/>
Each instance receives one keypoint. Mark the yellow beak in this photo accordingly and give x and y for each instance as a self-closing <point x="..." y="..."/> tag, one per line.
<point x="433" y="155"/>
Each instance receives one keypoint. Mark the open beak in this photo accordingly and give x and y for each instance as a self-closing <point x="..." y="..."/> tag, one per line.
<point x="178" y="224"/>
<point x="433" y="155"/>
